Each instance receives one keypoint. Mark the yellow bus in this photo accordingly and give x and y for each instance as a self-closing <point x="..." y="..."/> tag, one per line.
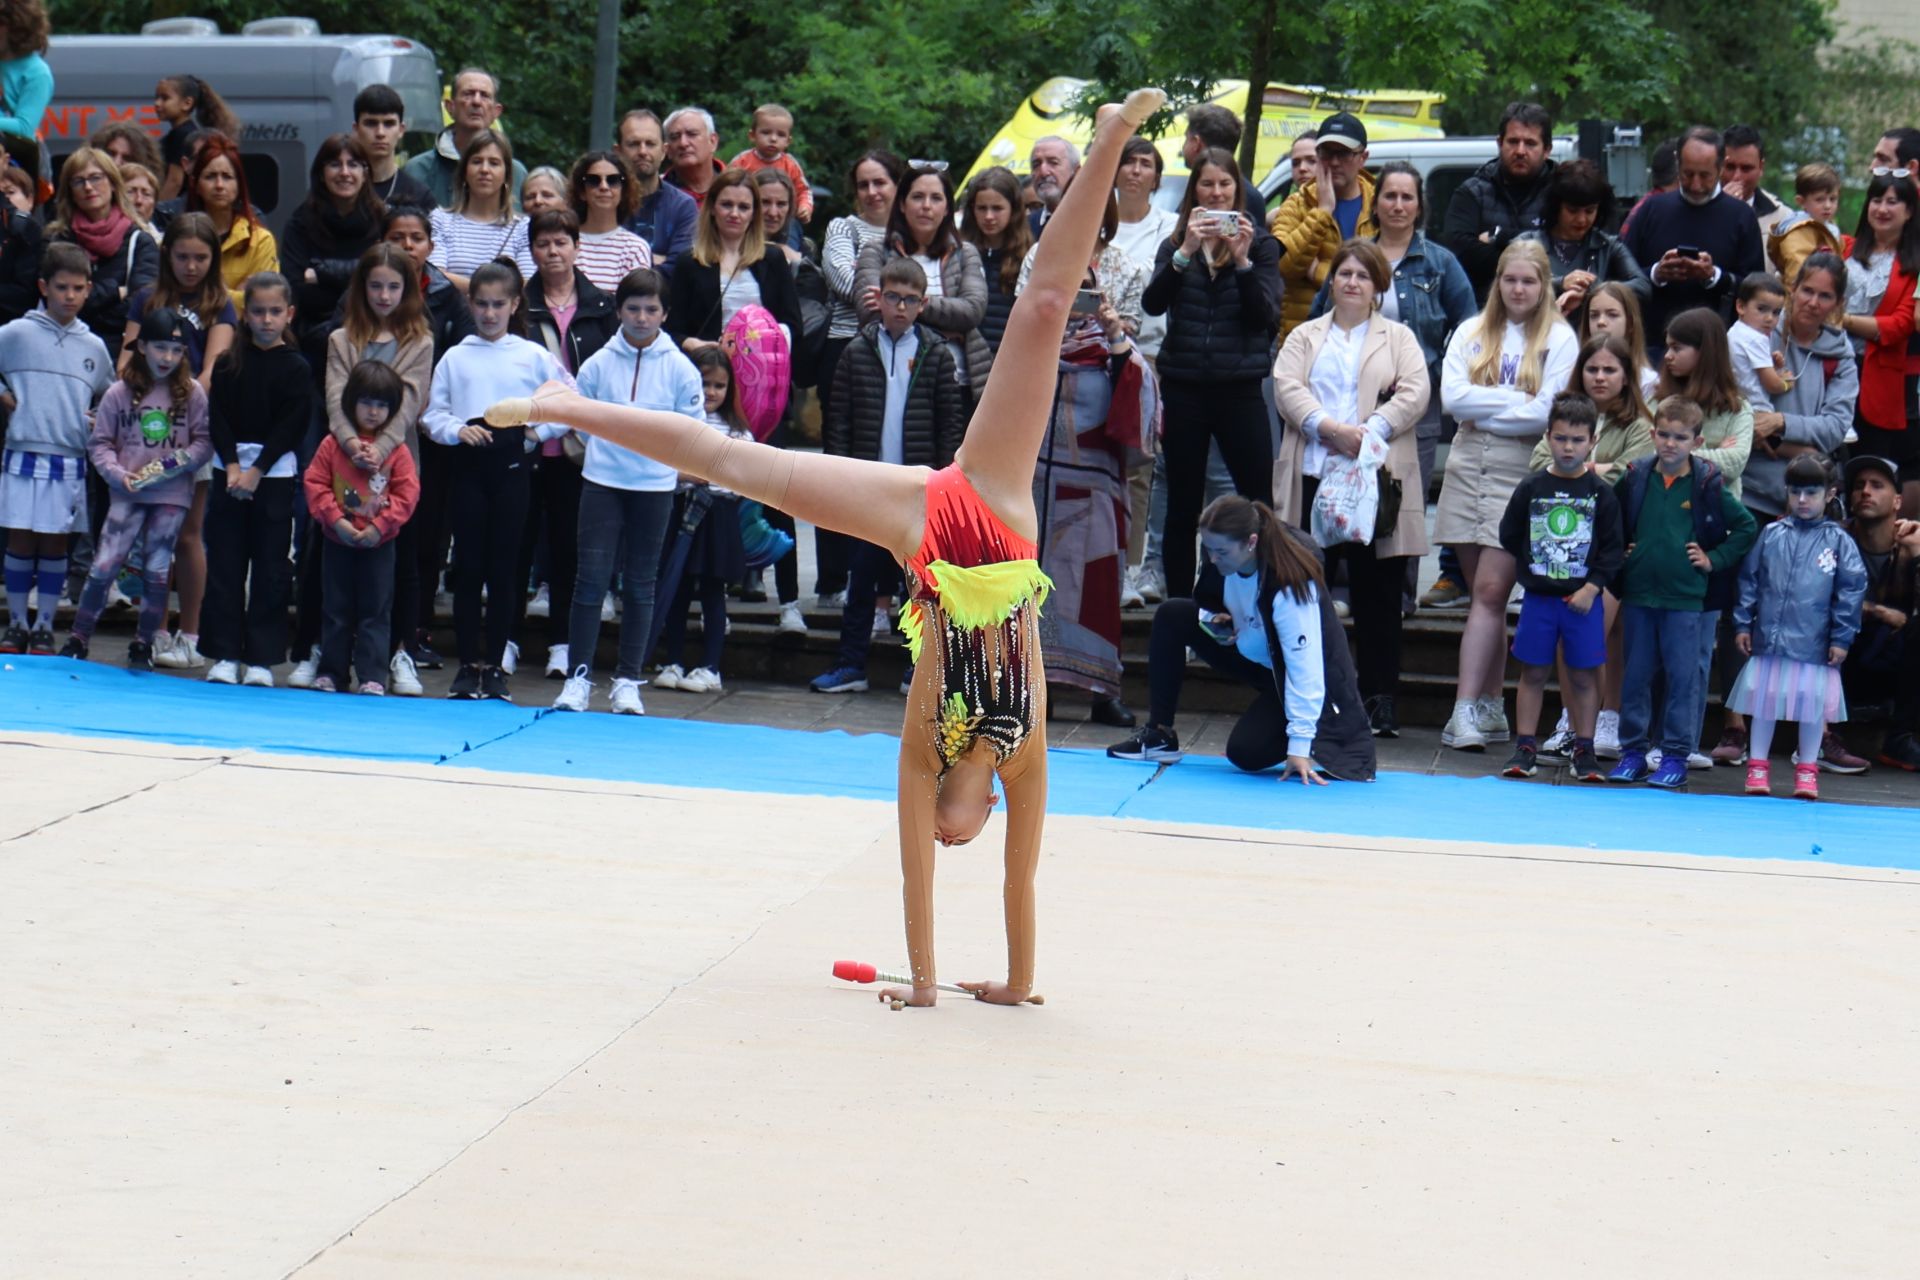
<point x="1288" y="110"/>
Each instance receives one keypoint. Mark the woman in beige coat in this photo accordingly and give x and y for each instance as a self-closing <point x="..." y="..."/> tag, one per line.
<point x="1349" y="373"/>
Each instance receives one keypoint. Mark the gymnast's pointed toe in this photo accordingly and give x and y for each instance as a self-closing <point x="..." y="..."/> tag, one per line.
<point x="515" y="411"/>
<point x="1140" y="104"/>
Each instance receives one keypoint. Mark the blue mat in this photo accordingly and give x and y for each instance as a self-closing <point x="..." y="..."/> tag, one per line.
<point x="57" y="696"/>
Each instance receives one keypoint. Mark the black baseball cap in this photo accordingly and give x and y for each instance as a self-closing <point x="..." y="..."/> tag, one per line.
<point x="1344" y="129"/>
<point x="1869" y="462"/>
<point x="163" y="324"/>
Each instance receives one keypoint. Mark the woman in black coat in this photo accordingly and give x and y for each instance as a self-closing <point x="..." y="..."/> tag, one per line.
<point x="323" y="240"/>
<point x="729" y="266"/>
<point x="1581" y="252"/>
<point x="1217" y="281"/>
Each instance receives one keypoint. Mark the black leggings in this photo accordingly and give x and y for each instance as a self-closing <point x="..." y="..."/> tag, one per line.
<point x="554" y="508"/>
<point x="430" y="531"/>
<point x="1233" y="413"/>
<point x="488" y="505"/>
<point x="1259" y="737"/>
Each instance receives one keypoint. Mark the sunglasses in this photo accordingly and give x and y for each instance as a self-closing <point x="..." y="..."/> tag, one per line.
<point x="1890" y="173"/>
<point x="604" y="180"/>
<point x="938" y="166"/>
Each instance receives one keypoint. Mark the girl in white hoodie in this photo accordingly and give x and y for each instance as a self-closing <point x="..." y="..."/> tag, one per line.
<point x="489" y="486"/>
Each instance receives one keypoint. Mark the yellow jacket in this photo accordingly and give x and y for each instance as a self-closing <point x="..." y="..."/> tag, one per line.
<point x="248" y="248"/>
<point x="1797" y="239"/>
<point x="1310" y="237"/>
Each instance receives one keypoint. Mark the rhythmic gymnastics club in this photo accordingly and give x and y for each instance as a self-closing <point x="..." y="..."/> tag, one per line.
<point x="855" y="971"/>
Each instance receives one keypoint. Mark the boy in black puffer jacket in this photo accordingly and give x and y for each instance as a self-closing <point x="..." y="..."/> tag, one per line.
<point x="897" y="397"/>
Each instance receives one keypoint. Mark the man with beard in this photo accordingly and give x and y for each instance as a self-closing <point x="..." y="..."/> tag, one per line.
<point x="1051" y="166"/>
<point x="1697" y="242"/>
<point x="691" y="143"/>
<point x="1504" y="197"/>
<point x="666" y="214"/>
<point x="1883" y="666"/>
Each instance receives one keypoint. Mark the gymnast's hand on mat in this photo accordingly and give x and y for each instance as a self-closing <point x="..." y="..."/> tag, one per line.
<point x="1001" y="993"/>
<point x="902" y="997"/>
<point x="1303" y="765"/>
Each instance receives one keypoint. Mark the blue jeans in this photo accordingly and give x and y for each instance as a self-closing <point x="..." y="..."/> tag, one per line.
<point x="1666" y="643"/>
<point x="611" y="520"/>
<point x="871" y="572"/>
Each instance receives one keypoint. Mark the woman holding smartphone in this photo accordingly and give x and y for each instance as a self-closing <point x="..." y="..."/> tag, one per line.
<point x="1217" y="281"/>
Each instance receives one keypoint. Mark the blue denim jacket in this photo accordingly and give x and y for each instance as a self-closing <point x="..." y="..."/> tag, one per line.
<point x="1434" y="297"/>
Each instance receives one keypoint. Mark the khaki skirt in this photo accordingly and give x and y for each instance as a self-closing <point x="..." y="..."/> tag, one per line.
<point x="1483" y="470"/>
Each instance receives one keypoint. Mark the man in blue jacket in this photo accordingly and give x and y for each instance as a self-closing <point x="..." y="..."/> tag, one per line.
<point x="666" y="214"/>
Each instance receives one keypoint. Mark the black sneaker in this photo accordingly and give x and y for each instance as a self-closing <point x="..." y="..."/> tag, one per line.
<point x="1584" y="766"/>
<point x="1902" y="751"/>
<point x="1521" y="763"/>
<point x="139" y="655"/>
<point x="75" y="647"/>
<point x="1380" y="716"/>
<point x="1152" y="744"/>
<point x="466" y="684"/>
<point x="40" y="641"/>
<point x="493" y="684"/>
<point x="424" y="657"/>
<point x="14" y="640"/>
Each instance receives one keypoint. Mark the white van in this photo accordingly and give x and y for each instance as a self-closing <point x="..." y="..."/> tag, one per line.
<point x="290" y="86"/>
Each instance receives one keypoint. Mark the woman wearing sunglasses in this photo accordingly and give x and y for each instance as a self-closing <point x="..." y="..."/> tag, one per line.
<point x="604" y="196"/>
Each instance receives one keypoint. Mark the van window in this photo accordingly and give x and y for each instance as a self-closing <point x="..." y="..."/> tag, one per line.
<point x="263" y="180"/>
<point x="1442" y="182"/>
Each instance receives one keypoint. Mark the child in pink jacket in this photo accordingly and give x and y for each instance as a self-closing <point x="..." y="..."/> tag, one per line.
<point x="360" y="501"/>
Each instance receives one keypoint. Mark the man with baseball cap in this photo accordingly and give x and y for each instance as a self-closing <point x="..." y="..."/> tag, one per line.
<point x="1882" y="669"/>
<point x="1334" y="206"/>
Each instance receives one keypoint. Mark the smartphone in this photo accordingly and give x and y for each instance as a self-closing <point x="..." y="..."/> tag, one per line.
<point x="1218" y="630"/>
<point x="1087" y="302"/>
<point x="1689" y="251"/>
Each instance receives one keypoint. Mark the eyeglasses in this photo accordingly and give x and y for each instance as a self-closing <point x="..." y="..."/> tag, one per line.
<point x="893" y="299"/>
<point x="604" y="180"/>
<point x="938" y="166"/>
<point x="90" y="179"/>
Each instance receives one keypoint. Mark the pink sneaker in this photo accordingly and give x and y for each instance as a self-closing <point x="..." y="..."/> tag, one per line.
<point x="322" y="684"/>
<point x="373" y="688"/>
<point x="1759" y="778"/>
<point x="1806" y="781"/>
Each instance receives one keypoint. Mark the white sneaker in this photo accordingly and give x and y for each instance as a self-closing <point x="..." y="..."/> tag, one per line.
<point x="1560" y="742"/>
<point x="178" y="653"/>
<point x="510" y="660"/>
<point x="606" y="607"/>
<point x="301" y="677"/>
<point x="556" y="662"/>
<point x="882" y="623"/>
<point x="224" y="672"/>
<point x="405" y="677"/>
<point x="1699" y="760"/>
<point x="1153" y="583"/>
<point x="1463" y="732"/>
<point x="1490" y="714"/>
<point x="1606" y="736"/>
<point x="626" y="697"/>
<point x="258" y="677"/>
<point x="832" y="600"/>
<point x="792" y="621"/>
<point x="1130" y="597"/>
<point x="116" y="598"/>
<point x="702" y="680"/>
<point x="670" y="677"/>
<point x="1342" y="610"/>
<point x="575" y="693"/>
<point x="541" y="605"/>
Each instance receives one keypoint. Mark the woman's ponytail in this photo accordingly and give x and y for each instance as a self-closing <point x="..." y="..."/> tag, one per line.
<point x="1285" y="559"/>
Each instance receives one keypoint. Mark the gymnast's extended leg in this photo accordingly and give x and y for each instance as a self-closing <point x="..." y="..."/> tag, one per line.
<point x="1003" y="439"/>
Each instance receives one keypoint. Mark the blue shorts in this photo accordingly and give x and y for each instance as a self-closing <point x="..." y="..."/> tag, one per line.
<point x="1546" y="624"/>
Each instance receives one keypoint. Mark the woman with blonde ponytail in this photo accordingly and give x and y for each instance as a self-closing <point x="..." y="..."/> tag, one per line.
<point x="1260" y="612"/>
<point x="1499" y="379"/>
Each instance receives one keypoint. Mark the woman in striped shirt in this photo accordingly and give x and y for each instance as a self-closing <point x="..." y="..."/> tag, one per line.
<point x="482" y="225"/>
<point x="604" y="197"/>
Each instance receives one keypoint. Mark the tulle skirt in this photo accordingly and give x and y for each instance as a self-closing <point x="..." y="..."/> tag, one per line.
<point x="1788" y="690"/>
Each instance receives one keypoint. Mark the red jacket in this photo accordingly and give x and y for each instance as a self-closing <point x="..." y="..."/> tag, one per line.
<point x="1885" y="367"/>
<point x="338" y="490"/>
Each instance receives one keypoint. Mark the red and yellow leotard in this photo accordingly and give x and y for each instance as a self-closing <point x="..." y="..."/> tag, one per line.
<point x="976" y="589"/>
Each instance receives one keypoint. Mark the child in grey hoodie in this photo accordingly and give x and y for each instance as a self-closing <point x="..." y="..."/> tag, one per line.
<point x="55" y="370"/>
<point x="149" y="436"/>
